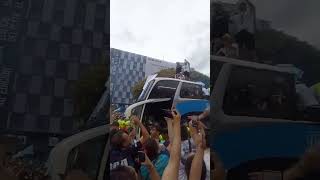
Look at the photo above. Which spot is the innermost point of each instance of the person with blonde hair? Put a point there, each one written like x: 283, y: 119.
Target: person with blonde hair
x: 229, y: 49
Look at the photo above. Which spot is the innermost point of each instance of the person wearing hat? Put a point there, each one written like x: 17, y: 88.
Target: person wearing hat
x: 229, y: 49
x: 243, y: 23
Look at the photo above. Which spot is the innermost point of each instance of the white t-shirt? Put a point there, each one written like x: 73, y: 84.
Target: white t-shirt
x: 184, y: 153
x: 243, y: 21
x: 306, y: 95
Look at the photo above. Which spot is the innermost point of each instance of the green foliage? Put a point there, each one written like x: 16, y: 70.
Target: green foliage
x: 137, y: 88
x: 281, y: 48
x: 88, y: 90
x: 170, y: 73
x: 197, y: 76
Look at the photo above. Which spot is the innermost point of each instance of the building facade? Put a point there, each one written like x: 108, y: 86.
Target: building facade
x: 44, y: 46
x: 129, y: 68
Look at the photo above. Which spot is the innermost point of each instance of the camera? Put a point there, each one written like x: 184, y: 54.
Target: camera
x: 167, y: 113
x: 141, y: 156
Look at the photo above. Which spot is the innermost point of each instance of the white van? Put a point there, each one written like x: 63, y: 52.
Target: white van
x: 164, y: 93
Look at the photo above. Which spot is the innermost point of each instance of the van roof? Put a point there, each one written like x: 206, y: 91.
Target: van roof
x: 250, y: 64
x: 180, y: 80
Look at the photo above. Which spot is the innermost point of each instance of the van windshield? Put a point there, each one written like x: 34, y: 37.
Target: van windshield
x: 164, y: 89
x: 144, y: 93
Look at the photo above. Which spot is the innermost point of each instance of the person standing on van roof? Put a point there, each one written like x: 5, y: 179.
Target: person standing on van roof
x: 243, y: 24
x: 229, y: 49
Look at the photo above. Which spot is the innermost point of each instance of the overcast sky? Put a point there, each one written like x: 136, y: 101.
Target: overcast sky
x: 295, y: 17
x: 172, y: 30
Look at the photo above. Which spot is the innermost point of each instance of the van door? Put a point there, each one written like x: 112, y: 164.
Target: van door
x: 149, y: 111
x: 86, y: 150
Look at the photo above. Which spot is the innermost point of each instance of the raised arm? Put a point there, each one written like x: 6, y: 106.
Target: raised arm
x: 152, y: 170
x: 170, y: 130
x: 205, y: 114
x: 198, y: 135
x: 172, y: 170
x: 219, y: 172
x: 144, y: 131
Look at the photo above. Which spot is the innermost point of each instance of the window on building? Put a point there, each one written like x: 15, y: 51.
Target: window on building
x: 44, y: 30
x: 87, y: 156
x: 164, y: 89
x: 53, y: 50
x: 36, y: 9
x: 76, y: 36
x: 47, y: 86
x: 17, y: 121
x: 80, y: 11
x: 58, y: 17
x: 260, y: 93
x: 45, y: 105
x: 64, y: 51
x: 43, y: 123
x: 60, y: 5
x: 38, y: 66
x: 59, y: 87
x: 66, y: 35
x: 57, y: 107
x: 97, y: 40
x: 33, y: 104
x: 32, y: 28
x: 100, y: 11
x: 20, y: 103
x: 26, y: 65
x: 55, y: 32
x: 88, y: 38
x: 41, y: 48
x: 35, y: 85
x: 29, y: 46
x: 75, y: 51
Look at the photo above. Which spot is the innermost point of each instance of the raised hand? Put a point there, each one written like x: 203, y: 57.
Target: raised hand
x: 176, y: 115
x: 135, y: 120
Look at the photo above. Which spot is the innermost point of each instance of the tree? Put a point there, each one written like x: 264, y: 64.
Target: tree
x: 137, y: 88
x: 170, y: 73
x: 280, y: 48
x: 88, y: 90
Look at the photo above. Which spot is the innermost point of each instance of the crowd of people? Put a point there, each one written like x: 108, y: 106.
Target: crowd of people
x: 20, y: 169
x: 181, y: 151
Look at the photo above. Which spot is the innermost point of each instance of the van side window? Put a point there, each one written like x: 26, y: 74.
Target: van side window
x: 215, y: 68
x: 145, y: 92
x: 87, y: 156
x: 260, y: 93
x: 164, y: 89
x: 192, y: 91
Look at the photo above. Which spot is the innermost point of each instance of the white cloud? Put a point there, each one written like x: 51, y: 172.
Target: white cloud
x: 168, y: 29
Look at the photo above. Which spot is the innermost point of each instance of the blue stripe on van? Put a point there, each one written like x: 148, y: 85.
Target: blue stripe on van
x: 274, y: 140
x: 192, y: 106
